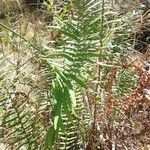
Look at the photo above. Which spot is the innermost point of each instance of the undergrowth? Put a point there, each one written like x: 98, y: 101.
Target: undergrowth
x: 69, y: 78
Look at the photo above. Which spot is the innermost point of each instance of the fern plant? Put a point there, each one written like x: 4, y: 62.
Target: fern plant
x: 78, y: 51
x: 50, y: 100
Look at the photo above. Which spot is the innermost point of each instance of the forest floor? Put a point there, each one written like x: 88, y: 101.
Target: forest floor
x: 34, y: 25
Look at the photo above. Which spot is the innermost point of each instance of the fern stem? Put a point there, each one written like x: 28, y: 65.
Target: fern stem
x: 99, y: 59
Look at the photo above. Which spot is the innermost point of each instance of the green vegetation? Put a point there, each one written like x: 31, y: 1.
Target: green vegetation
x: 70, y: 78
